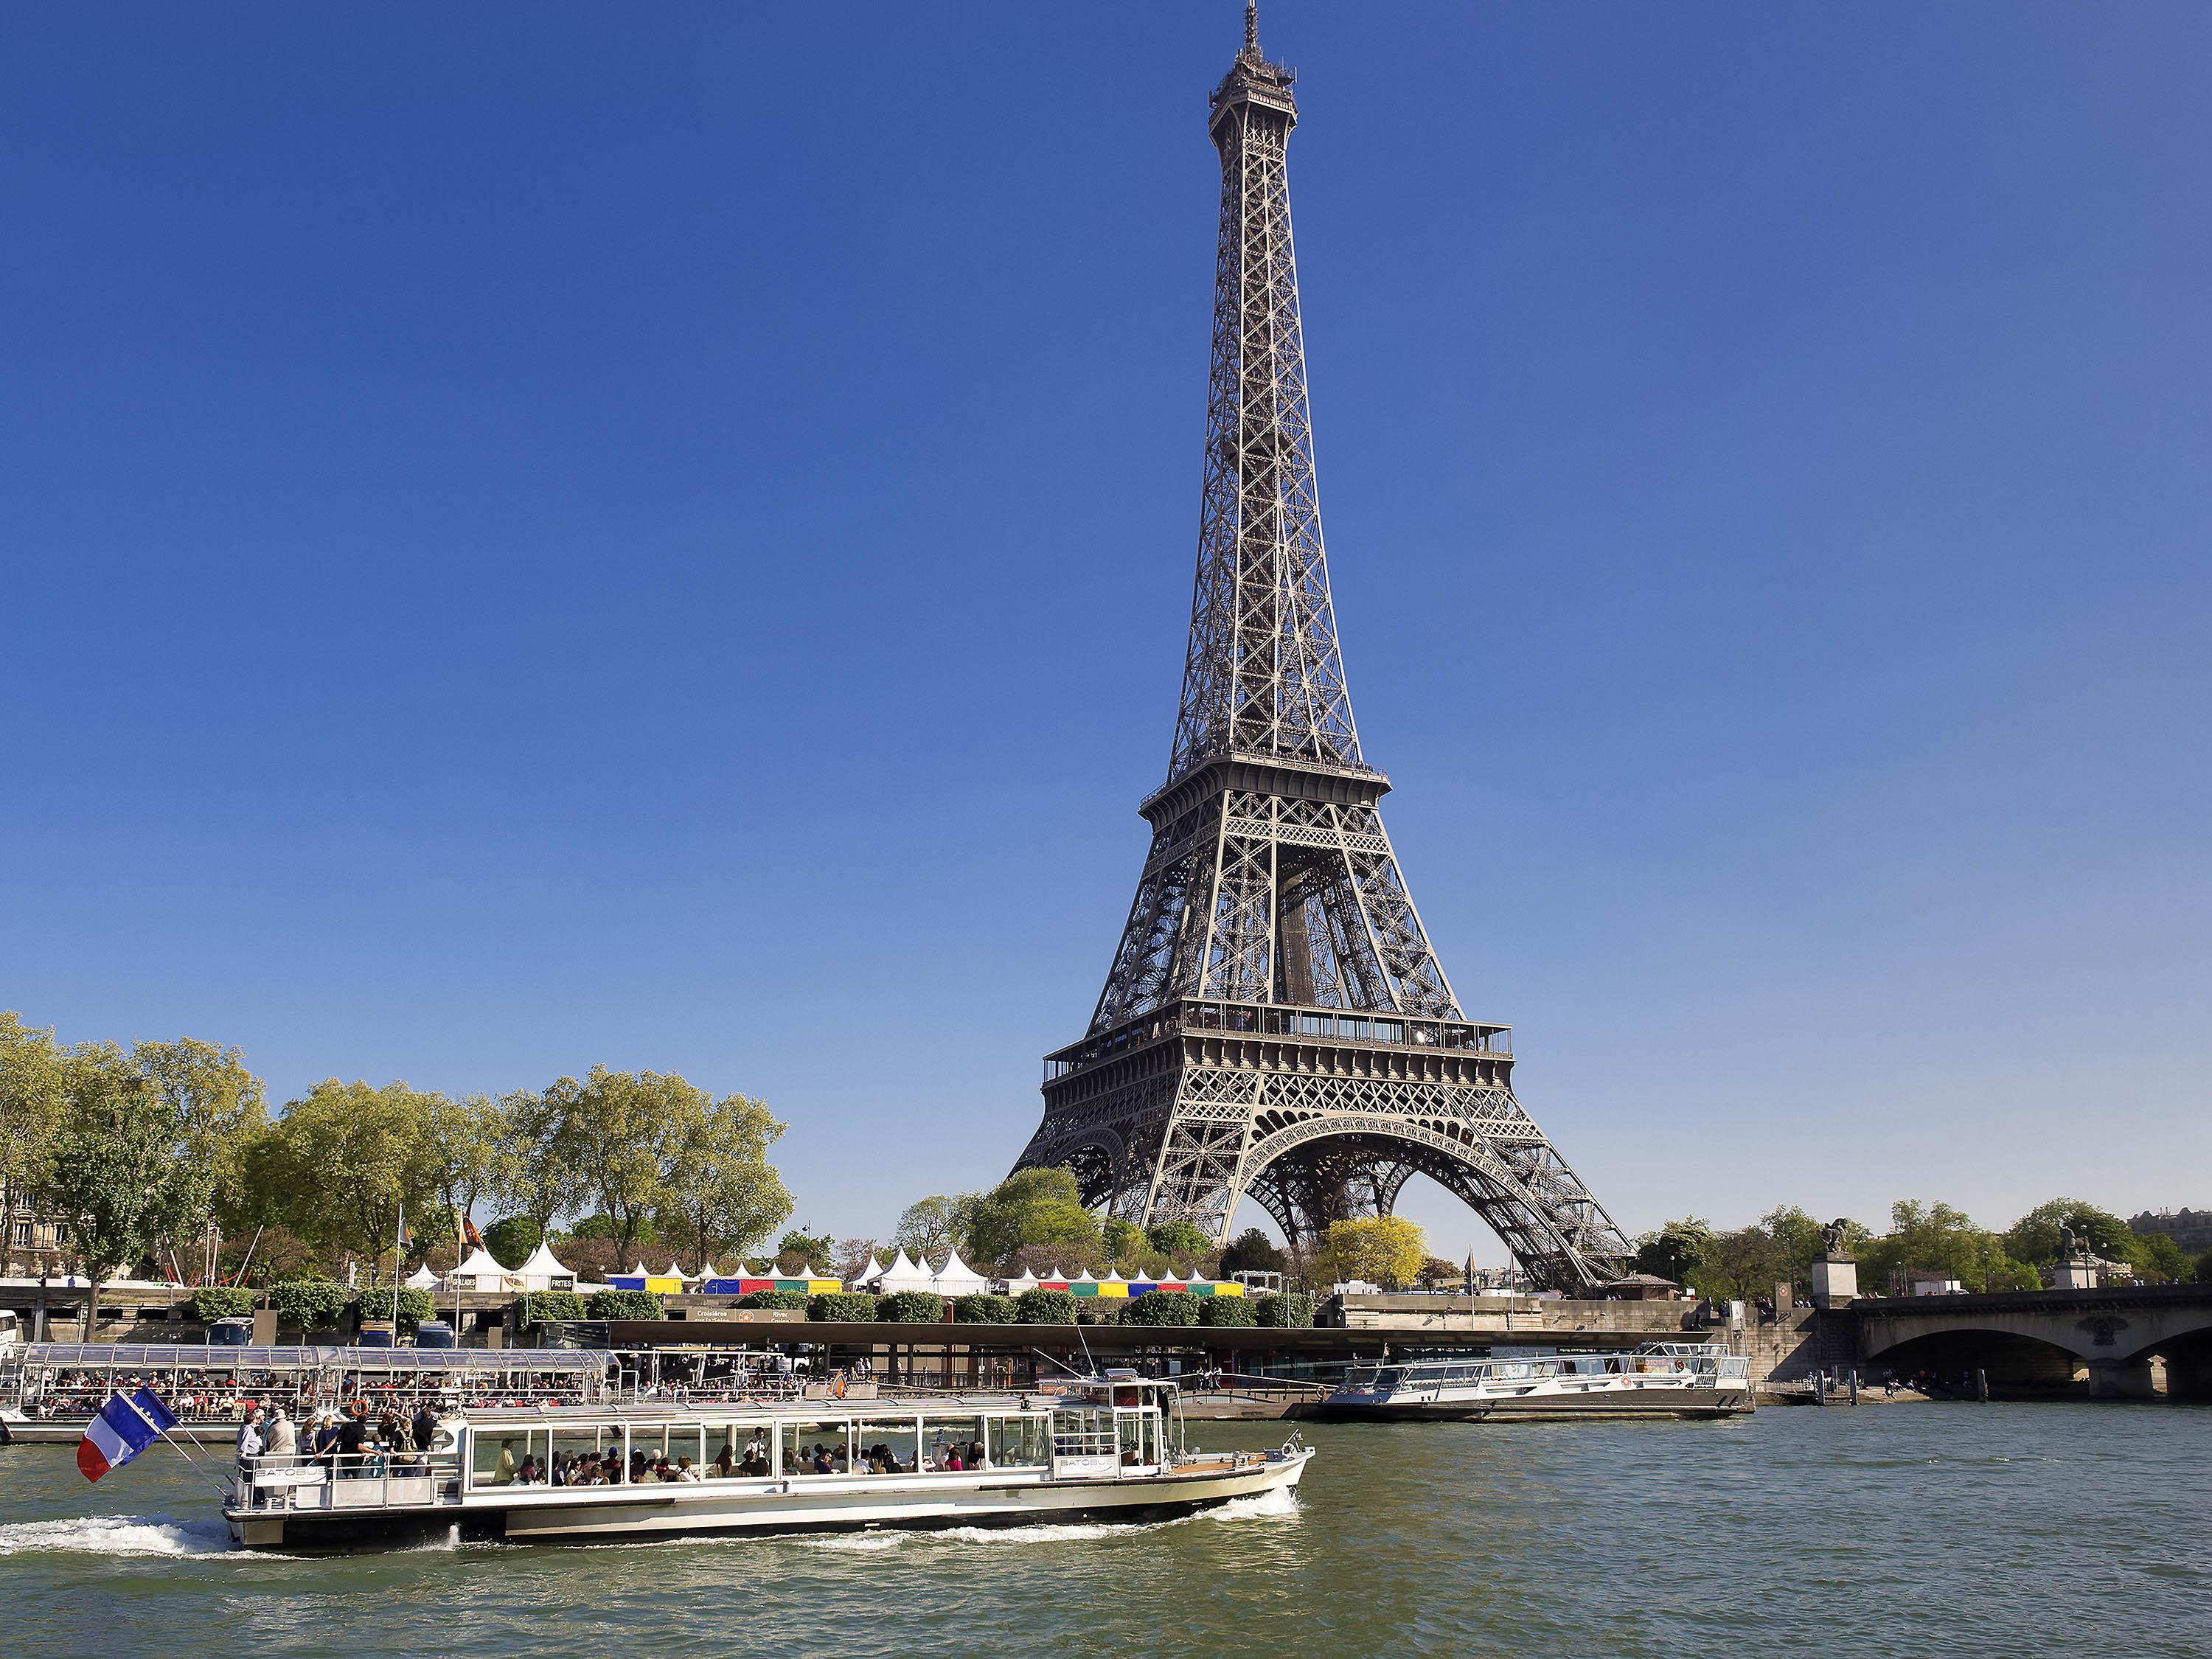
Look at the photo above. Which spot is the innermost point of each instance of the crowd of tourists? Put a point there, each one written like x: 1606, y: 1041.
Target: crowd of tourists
x: 344, y: 1444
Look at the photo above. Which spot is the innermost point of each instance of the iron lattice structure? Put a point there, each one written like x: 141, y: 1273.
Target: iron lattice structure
x: 1275, y: 1022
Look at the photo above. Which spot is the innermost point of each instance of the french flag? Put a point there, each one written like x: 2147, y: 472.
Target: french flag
x: 123, y: 1430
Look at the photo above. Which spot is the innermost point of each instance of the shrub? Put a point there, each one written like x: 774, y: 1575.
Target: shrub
x: 789, y: 1301
x: 984, y: 1309
x: 544, y: 1307
x: 1227, y: 1312
x: 1291, y: 1311
x: 911, y: 1308
x: 846, y: 1307
x: 413, y: 1305
x: 1099, y: 1310
x: 309, y: 1303
x: 213, y: 1301
x: 1045, y: 1308
x: 1163, y: 1308
x: 623, y: 1305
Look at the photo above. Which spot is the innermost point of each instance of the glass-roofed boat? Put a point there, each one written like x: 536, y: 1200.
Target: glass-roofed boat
x: 1109, y: 1448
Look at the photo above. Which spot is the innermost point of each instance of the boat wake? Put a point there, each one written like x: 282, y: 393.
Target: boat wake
x: 117, y: 1534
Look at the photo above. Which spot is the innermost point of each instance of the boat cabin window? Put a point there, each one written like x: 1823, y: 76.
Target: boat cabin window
x: 951, y: 1444
x: 739, y: 1450
x: 1082, y: 1432
x: 1017, y: 1442
x: 511, y: 1457
x: 810, y: 1448
x: 888, y: 1446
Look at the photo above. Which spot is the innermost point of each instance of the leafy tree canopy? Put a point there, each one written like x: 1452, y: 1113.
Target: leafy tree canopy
x: 1178, y: 1239
x: 2037, y: 1237
x: 511, y: 1238
x: 933, y: 1225
x: 1385, y: 1250
x: 1253, y: 1252
x: 1030, y: 1207
x: 1676, y: 1251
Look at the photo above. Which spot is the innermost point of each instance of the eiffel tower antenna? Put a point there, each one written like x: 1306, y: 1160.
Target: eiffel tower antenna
x: 1275, y: 1023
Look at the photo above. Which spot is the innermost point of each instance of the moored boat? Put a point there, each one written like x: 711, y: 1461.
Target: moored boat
x: 1107, y: 1449
x: 1658, y: 1379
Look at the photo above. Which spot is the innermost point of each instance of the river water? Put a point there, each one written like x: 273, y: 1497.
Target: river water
x: 1922, y: 1529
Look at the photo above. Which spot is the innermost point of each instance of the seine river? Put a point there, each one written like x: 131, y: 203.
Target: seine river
x: 1922, y: 1529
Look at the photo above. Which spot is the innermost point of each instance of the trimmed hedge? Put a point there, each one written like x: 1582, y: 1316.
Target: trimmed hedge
x: 983, y: 1310
x: 911, y: 1308
x: 789, y: 1301
x: 1099, y: 1310
x: 842, y: 1307
x: 1227, y: 1312
x: 310, y: 1303
x: 1045, y: 1308
x: 414, y: 1306
x: 213, y: 1301
x: 546, y: 1307
x: 623, y: 1305
x: 1163, y: 1308
x: 1291, y: 1311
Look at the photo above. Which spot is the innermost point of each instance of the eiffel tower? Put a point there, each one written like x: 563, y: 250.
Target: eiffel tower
x: 1275, y: 1022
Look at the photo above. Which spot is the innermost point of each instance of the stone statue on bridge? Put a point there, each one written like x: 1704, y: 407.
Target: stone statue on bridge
x: 1833, y: 1237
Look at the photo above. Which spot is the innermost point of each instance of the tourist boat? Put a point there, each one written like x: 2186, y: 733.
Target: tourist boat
x: 1659, y: 1379
x: 1108, y: 1448
x: 50, y: 1390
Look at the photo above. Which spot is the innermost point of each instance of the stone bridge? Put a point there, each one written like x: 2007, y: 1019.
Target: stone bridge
x: 2044, y: 1341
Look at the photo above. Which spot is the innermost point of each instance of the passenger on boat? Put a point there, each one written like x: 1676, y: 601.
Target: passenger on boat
x: 249, y: 1437
x: 284, y: 1441
x: 822, y: 1465
x: 503, y: 1472
x: 684, y: 1471
x: 755, y: 1463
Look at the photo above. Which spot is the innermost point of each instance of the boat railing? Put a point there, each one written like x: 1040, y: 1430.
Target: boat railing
x: 285, y: 1483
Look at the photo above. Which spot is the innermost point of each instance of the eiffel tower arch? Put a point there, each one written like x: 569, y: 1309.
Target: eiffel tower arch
x: 1275, y: 1024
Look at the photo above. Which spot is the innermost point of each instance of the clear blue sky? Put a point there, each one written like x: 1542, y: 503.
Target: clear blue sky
x: 541, y: 536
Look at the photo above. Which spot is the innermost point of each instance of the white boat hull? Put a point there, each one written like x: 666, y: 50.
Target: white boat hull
x: 552, y: 1515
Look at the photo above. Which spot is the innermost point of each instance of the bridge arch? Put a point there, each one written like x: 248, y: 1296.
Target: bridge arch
x: 2015, y: 1364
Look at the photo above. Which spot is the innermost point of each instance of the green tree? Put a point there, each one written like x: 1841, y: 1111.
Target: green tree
x: 511, y: 1239
x: 1123, y: 1239
x: 2158, y: 1258
x: 1030, y: 1207
x: 720, y: 1192
x: 219, y: 1107
x: 2036, y: 1238
x: 1676, y: 1251
x: 1384, y: 1249
x: 540, y: 1162
x: 1253, y: 1252
x: 801, y: 1248
x: 1435, y: 1271
x: 1937, y: 1238
x: 612, y: 1142
x: 471, y: 1160
x: 33, y: 1090
x: 1179, y: 1239
x: 343, y: 1160
x: 124, y: 1168
x: 933, y: 1225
